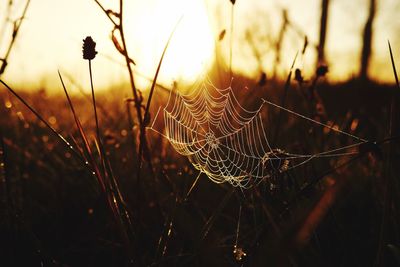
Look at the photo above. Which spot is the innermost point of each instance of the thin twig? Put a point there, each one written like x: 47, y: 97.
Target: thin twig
x: 17, y: 26
x: 107, y: 13
x: 128, y: 64
x: 120, y: 27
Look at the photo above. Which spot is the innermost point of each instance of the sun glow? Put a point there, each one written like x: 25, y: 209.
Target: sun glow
x: 192, y: 45
x: 51, y: 38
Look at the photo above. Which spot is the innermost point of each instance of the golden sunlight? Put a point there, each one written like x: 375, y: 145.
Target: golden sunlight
x: 192, y: 45
x: 51, y: 38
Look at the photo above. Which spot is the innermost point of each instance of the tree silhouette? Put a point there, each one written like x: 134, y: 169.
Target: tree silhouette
x: 322, y: 31
x: 279, y: 41
x: 367, y: 41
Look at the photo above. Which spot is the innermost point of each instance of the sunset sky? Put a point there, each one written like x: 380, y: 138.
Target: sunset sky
x: 51, y: 38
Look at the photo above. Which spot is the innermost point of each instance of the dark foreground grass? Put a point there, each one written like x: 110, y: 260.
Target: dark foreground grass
x: 328, y: 212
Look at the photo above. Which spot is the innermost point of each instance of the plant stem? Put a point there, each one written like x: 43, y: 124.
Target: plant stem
x: 283, y: 100
x: 390, y: 170
x: 231, y: 42
x: 128, y: 63
x: 94, y: 103
x: 106, y: 180
x: 143, y: 142
x: 119, y: 25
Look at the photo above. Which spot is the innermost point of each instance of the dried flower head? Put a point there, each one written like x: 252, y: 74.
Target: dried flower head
x: 263, y: 79
x: 297, y: 76
x: 89, y: 48
x: 322, y: 70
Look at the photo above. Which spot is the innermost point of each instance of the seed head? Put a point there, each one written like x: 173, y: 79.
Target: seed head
x: 89, y: 48
x: 263, y: 79
x: 322, y: 70
x: 298, y: 77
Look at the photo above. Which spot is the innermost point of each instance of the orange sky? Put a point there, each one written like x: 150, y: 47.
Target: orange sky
x: 51, y: 38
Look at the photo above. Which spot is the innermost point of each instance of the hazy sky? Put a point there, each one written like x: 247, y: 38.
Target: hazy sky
x: 51, y: 38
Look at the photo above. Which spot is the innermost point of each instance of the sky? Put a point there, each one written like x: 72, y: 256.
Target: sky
x: 51, y: 37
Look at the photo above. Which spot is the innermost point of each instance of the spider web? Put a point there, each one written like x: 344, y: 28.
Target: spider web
x: 228, y: 142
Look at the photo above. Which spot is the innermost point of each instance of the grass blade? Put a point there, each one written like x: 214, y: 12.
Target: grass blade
x: 106, y: 180
x: 283, y: 100
x: 146, y: 119
x: 57, y: 134
x: 393, y: 66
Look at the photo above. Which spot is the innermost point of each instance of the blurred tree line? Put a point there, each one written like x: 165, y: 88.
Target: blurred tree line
x: 367, y: 36
x: 365, y: 18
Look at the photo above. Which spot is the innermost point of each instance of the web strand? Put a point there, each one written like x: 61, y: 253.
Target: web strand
x: 228, y: 142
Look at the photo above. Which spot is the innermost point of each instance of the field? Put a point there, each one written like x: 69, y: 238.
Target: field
x: 86, y: 181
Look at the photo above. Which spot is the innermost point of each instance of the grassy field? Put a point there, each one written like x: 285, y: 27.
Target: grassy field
x: 328, y: 212
x: 85, y: 182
